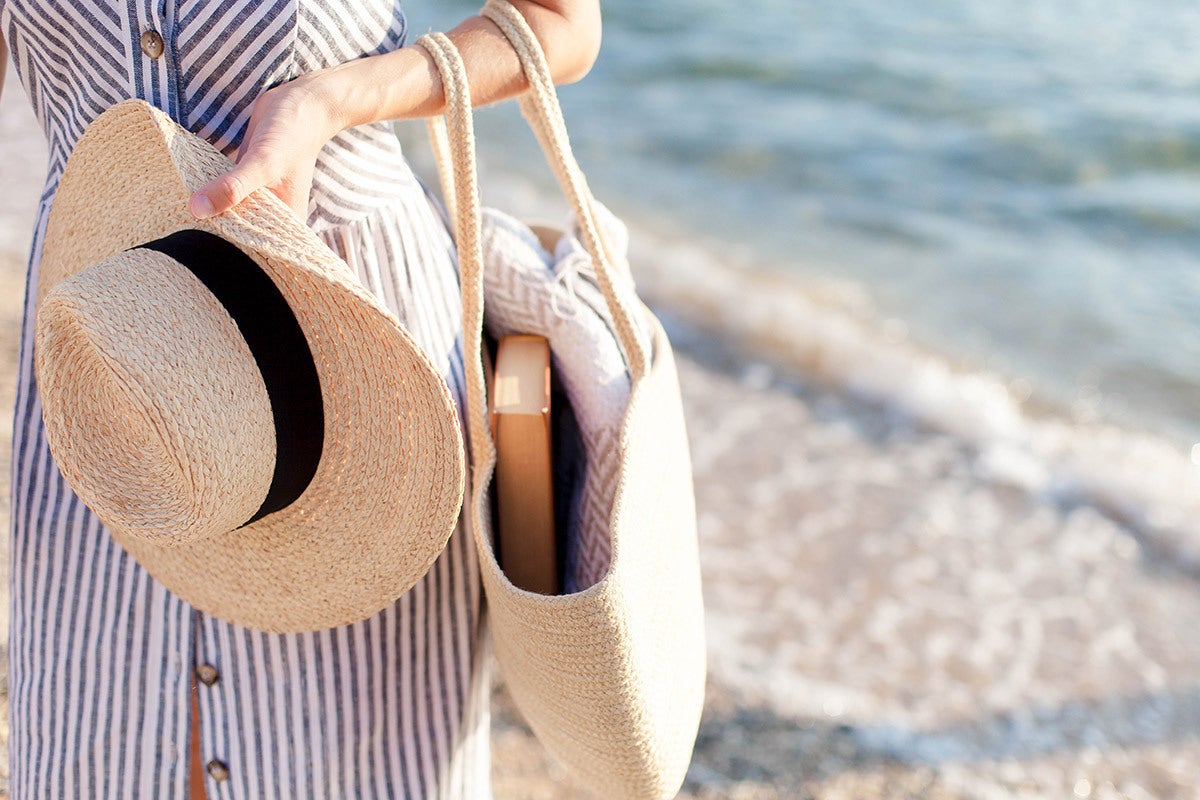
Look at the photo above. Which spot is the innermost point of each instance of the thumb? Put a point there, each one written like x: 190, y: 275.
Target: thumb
x: 223, y: 193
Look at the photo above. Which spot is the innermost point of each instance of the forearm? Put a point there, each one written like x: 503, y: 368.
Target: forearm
x: 405, y: 84
x: 292, y: 122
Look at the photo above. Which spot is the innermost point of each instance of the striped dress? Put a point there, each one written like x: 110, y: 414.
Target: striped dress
x: 102, y: 656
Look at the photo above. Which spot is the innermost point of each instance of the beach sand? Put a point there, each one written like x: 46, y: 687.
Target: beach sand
x: 886, y: 618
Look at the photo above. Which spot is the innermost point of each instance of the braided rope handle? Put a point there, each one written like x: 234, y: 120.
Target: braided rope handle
x: 542, y: 111
x: 468, y: 239
x: 441, y: 156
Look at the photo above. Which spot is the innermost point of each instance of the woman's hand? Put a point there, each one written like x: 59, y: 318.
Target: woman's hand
x: 289, y: 125
x: 292, y: 122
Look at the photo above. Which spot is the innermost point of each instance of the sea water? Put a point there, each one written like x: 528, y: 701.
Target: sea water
x: 1015, y: 186
x: 985, y: 216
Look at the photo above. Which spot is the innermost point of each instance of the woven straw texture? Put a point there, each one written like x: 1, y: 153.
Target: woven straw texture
x: 157, y: 416
x: 611, y: 678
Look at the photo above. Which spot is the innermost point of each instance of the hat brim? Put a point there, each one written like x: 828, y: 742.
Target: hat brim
x: 389, y: 485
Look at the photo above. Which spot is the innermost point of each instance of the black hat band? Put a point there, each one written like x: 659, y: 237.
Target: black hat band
x: 279, y: 347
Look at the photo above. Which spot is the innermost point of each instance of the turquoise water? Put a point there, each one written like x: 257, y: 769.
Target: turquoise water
x: 1017, y: 183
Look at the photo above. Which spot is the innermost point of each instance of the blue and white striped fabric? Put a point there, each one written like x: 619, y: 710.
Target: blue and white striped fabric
x: 101, y: 656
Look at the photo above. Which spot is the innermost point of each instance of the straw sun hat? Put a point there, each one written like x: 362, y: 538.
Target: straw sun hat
x: 250, y: 423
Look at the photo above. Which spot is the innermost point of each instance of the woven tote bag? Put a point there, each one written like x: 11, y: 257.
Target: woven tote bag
x: 609, y: 677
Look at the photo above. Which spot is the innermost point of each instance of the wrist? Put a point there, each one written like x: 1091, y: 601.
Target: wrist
x: 393, y: 85
x: 316, y: 95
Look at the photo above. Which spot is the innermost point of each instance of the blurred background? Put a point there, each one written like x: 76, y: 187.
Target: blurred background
x: 932, y: 271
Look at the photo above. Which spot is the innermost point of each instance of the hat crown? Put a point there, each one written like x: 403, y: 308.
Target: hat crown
x: 369, y: 463
x: 156, y: 408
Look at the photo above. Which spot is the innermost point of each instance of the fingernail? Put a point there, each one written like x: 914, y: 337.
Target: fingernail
x: 200, y: 206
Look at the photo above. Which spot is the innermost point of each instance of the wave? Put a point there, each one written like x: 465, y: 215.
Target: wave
x: 830, y: 333
x: 1147, y: 483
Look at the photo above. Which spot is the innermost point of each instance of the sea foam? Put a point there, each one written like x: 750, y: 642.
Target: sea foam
x: 829, y: 332
x: 1143, y: 481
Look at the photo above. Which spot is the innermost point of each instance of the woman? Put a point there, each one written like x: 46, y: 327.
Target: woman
x: 103, y: 660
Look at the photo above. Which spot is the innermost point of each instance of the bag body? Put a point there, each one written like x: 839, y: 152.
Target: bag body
x: 609, y: 677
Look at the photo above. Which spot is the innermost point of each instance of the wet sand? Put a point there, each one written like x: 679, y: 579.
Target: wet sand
x: 885, y: 618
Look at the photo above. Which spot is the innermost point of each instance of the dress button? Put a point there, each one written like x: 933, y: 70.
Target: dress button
x: 217, y: 770
x: 207, y: 674
x: 152, y: 43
